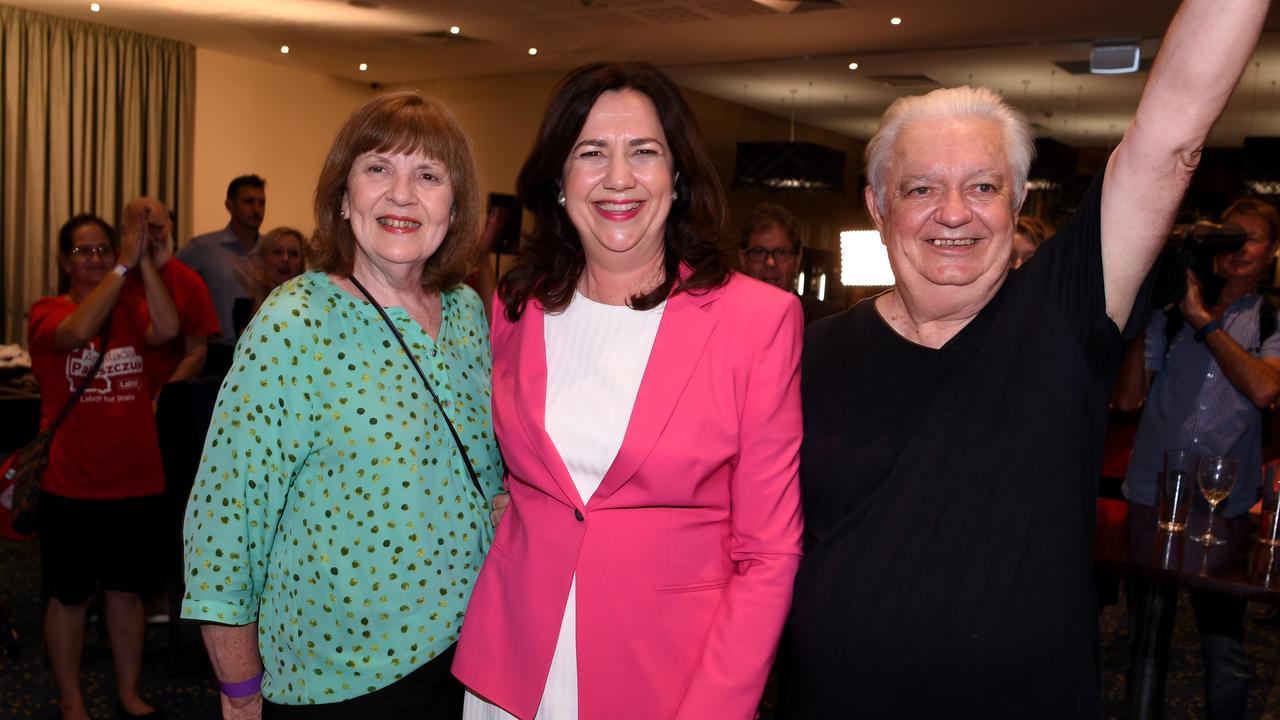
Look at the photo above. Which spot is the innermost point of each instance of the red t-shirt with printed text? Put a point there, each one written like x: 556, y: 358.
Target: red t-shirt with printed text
x: 196, y: 317
x: 107, y: 447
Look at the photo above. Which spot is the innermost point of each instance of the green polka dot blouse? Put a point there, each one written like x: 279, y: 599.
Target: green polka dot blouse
x: 332, y: 505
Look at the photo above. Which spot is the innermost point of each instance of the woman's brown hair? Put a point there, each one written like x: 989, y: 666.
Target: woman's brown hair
x: 552, y: 259
x: 394, y: 123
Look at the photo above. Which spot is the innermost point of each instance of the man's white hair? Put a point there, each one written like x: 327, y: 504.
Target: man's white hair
x: 947, y: 104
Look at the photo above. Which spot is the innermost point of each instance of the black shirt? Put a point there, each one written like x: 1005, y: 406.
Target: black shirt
x: 949, y: 503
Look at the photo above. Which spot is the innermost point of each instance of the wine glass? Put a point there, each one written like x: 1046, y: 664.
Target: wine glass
x: 1217, y: 477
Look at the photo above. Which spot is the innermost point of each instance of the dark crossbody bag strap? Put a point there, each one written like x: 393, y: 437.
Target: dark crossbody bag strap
x: 103, y: 339
x: 471, y: 471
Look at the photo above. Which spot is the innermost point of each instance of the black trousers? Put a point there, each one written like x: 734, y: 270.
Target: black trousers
x: 428, y: 693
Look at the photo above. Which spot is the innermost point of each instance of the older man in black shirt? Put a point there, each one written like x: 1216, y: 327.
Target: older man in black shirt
x: 953, y: 424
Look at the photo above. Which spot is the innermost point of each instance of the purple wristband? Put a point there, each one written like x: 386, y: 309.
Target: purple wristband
x: 243, y: 688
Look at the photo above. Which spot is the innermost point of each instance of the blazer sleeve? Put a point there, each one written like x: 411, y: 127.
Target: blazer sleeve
x: 766, y: 528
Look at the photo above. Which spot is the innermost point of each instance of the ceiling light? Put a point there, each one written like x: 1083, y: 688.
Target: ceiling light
x: 95, y: 7
x: 895, y: 21
x: 789, y: 166
x: 853, y: 66
x: 455, y: 30
x: 1041, y: 184
x: 533, y: 51
x: 284, y: 49
x: 1263, y: 187
x: 364, y: 66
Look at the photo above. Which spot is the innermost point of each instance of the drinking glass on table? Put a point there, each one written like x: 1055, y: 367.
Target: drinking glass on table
x: 1217, y: 477
x: 1176, y: 485
x: 1269, y: 531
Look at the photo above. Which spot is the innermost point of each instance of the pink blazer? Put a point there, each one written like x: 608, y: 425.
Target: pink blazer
x: 685, y: 555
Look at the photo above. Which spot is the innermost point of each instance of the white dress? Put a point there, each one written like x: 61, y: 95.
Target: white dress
x: 596, y: 356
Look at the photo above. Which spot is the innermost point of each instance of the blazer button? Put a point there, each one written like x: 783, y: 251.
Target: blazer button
x: 577, y: 514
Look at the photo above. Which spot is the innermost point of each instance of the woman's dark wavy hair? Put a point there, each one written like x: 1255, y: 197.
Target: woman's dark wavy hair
x: 552, y: 259
x: 67, y: 233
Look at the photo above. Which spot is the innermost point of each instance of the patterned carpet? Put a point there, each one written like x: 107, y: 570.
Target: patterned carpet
x: 1184, y: 695
x: 182, y: 684
x: 183, y: 687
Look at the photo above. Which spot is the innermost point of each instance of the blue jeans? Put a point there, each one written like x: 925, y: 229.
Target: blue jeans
x: 1220, y: 620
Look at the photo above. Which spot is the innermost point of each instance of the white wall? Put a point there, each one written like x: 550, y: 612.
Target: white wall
x: 268, y: 118
x: 264, y: 118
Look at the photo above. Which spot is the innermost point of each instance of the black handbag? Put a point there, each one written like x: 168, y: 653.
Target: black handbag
x: 31, y: 460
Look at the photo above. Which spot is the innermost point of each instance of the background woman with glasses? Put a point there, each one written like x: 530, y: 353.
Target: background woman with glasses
x: 103, y: 487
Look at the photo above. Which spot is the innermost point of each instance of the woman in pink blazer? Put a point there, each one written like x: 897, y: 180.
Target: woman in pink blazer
x: 646, y: 399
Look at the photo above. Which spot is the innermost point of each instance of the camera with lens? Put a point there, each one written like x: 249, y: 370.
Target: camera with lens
x: 1193, y: 247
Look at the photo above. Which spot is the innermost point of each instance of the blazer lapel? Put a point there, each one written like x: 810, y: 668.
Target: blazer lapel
x: 682, y: 337
x: 531, y: 398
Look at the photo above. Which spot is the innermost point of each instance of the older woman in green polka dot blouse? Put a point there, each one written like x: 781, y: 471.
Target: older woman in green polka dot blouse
x: 334, y: 530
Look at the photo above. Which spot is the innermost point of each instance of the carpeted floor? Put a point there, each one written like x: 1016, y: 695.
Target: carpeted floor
x: 182, y: 684
x: 1184, y: 695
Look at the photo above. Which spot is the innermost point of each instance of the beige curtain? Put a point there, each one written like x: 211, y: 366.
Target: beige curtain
x: 92, y: 116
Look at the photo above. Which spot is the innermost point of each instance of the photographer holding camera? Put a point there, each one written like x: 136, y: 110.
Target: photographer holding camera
x: 1212, y: 365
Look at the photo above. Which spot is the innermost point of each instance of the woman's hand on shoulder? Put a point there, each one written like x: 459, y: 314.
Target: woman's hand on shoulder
x: 499, y: 503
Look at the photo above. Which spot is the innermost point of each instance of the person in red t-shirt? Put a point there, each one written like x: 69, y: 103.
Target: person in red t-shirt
x: 104, y: 481
x: 183, y: 357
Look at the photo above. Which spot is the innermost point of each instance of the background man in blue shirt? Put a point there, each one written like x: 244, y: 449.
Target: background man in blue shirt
x: 216, y: 255
x: 1207, y: 390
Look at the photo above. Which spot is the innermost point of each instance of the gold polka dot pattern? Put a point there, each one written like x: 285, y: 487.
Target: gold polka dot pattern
x: 332, y: 505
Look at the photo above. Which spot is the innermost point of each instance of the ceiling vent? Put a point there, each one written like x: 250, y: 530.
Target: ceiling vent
x: 789, y: 166
x: 1081, y: 67
x: 906, y: 81
x: 1115, y: 57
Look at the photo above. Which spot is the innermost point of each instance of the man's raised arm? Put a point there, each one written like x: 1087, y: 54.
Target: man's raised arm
x: 1200, y: 61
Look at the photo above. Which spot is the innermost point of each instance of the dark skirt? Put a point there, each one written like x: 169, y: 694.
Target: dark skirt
x: 428, y: 693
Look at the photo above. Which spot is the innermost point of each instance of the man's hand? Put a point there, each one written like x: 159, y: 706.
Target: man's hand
x: 245, y: 708
x: 132, y: 243
x: 1201, y: 56
x: 1256, y: 378
x: 500, y: 503
x: 1192, y: 305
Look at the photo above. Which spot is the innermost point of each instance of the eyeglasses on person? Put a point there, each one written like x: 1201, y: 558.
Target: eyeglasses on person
x: 779, y: 254
x: 93, y: 251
